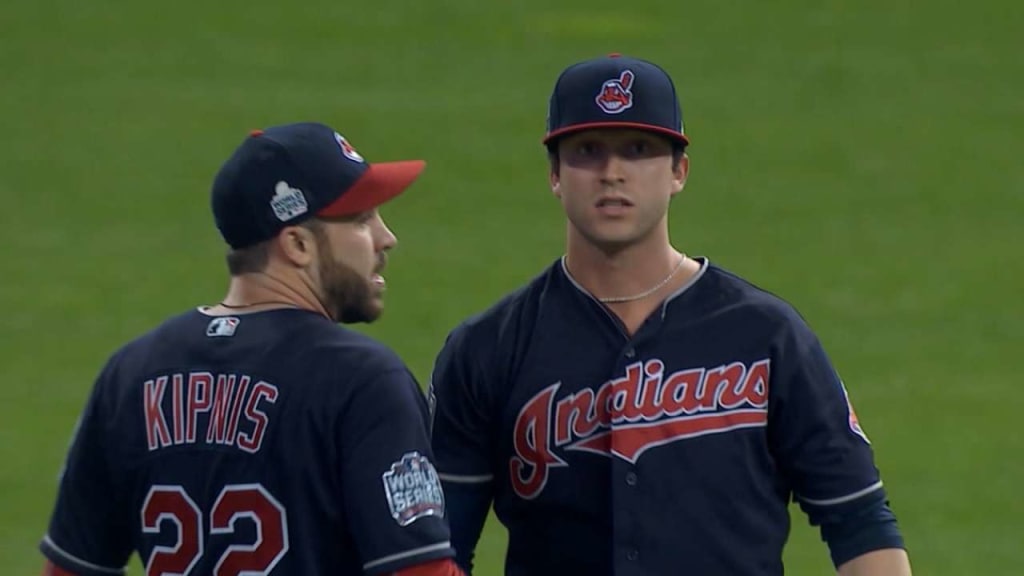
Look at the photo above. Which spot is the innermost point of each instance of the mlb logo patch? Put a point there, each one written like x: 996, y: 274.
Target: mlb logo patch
x: 224, y: 326
x: 413, y: 489
x: 288, y: 202
x: 615, y: 95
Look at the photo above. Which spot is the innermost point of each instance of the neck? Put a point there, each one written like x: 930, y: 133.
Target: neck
x: 267, y: 290
x: 622, y: 271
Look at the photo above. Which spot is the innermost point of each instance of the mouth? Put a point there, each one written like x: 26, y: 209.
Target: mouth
x: 613, y: 205
x: 377, y: 278
x: 613, y: 201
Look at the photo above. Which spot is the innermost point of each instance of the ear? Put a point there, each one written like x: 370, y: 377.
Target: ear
x: 297, y: 246
x: 554, y: 180
x: 680, y: 173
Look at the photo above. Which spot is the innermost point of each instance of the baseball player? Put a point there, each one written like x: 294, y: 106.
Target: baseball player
x: 257, y: 436
x: 637, y: 411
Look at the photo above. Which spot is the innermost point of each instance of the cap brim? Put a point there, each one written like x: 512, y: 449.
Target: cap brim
x: 381, y: 182
x: 672, y: 134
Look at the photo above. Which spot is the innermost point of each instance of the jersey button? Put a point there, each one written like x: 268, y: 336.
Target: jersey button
x: 630, y: 352
x: 632, y: 554
x: 631, y: 478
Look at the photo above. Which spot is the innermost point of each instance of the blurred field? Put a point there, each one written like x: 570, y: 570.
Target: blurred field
x: 859, y: 158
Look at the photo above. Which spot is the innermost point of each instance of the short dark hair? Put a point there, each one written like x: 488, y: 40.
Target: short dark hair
x: 252, y: 259
x: 248, y: 260
x: 678, y: 149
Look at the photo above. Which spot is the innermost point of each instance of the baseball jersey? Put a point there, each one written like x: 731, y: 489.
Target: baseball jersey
x: 672, y: 451
x: 272, y: 443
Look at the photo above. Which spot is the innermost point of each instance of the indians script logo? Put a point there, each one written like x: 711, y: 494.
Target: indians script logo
x: 615, y: 95
x: 646, y: 408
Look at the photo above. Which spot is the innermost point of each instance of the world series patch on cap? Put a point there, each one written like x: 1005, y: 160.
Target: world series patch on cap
x: 615, y: 92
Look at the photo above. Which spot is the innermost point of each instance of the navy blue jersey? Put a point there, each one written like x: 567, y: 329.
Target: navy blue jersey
x: 672, y: 451
x: 273, y: 443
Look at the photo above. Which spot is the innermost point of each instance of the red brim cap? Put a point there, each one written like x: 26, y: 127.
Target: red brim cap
x: 671, y: 134
x: 381, y: 182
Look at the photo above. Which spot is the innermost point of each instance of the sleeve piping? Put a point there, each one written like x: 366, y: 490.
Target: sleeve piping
x: 408, y: 554
x: 51, y: 545
x: 842, y: 499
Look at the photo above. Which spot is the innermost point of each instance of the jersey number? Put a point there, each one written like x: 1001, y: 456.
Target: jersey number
x: 171, y: 504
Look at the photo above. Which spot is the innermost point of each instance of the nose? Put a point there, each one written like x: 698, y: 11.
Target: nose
x: 385, y: 239
x: 613, y: 171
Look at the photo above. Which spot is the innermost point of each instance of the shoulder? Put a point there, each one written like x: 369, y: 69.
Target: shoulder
x: 512, y: 315
x: 298, y: 341
x: 735, y: 295
x: 137, y: 351
x: 354, y: 351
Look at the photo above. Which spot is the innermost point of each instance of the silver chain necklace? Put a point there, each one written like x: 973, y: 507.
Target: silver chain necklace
x: 645, y: 293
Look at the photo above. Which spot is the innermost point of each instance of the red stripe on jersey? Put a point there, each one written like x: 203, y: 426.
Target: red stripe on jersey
x: 446, y: 567
x: 49, y: 569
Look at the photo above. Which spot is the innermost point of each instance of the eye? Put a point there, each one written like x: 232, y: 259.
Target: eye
x: 586, y: 148
x: 364, y: 218
x: 640, y: 148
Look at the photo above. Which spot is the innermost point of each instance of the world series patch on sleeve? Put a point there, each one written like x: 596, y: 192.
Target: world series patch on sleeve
x: 413, y: 489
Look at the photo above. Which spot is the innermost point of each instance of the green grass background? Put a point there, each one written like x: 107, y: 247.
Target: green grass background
x: 862, y: 159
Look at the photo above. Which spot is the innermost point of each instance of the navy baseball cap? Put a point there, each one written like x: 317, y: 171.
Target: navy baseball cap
x: 615, y: 91
x: 286, y: 174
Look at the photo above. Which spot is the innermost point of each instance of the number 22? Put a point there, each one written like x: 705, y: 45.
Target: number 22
x: 172, y: 504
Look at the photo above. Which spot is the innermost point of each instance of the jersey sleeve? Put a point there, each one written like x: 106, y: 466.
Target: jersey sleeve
x: 89, y: 532
x: 461, y: 437
x: 390, y: 486
x: 814, y: 430
x: 460, y: 417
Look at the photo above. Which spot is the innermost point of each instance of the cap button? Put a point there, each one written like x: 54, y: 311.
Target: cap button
x: 614, y: 55
x: 256, y: 133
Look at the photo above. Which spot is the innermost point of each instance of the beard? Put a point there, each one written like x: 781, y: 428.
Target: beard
x: 348, y: 297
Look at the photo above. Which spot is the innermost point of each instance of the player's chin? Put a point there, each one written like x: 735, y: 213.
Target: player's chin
x: 375, y: 303
x: 612, y: 237
x: 368, y: 311
x: 374, y: 313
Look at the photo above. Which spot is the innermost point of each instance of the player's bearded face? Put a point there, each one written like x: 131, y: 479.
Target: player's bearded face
x: 615, y: 185
x: 350, y: 296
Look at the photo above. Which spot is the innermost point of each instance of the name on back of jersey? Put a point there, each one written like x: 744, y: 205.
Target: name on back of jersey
x: 205, y: 408
x: 413, y: 489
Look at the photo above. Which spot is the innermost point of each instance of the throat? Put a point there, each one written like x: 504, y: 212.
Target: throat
x: 649, y: 291
x: 627, y: 278
x: 633, y: 308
